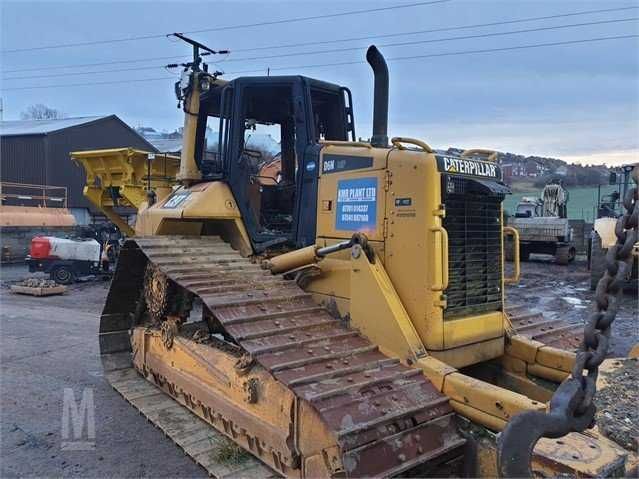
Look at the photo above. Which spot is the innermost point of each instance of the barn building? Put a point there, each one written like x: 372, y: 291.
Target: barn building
x: 36, y: 152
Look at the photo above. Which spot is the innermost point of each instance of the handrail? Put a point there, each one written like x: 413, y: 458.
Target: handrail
x: 443, y: 253
x: 398, y: 140
x: 510, y: 231
x: 345, y: 143
x: 491, y: 155
x: 48, y: 192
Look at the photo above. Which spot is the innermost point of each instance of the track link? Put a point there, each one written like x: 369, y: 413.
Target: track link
x: 558, y: 333
x: 386, y: 418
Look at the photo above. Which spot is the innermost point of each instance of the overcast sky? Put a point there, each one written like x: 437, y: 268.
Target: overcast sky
x: 578, y: 102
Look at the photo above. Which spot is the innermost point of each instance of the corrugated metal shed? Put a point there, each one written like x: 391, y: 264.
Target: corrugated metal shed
x: 37, y: 151
x: 40, y: 127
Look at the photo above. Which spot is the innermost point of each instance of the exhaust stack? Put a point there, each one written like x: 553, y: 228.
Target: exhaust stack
x: 380, y: 103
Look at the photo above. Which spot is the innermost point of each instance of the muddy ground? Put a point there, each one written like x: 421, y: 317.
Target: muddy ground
x: 564, y: 291
x: 49, y: 344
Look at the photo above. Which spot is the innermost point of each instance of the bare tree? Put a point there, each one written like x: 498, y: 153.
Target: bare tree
x: 41, y: 112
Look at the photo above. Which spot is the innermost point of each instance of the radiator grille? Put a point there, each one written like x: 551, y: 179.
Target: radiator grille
x: 474, y: 249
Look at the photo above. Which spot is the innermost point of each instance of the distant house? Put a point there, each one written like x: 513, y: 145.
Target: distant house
x: 522, y: 167
x: 507, y: 170
x: 513, y: 168
x: 534, y: 168
x: 510, y: 169
x: 562, y: 171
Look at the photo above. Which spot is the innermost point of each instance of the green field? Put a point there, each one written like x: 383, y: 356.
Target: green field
x: 581, y: 204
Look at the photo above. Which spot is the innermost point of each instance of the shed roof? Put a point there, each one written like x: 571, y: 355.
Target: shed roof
x: 42, y: 127
x: 166, y: 145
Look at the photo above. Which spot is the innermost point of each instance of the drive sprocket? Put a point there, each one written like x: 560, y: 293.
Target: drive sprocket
x: 164, y: 297
x: 158, y: 290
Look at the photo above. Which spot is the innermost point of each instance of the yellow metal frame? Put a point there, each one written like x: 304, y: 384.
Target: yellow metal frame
x: 126, y: 169
x: 510, y: 231
x: 377, y: 311
x: 412, y: 245
x: 207, y: 205
x: 373, y: 301
x: 537, y: 359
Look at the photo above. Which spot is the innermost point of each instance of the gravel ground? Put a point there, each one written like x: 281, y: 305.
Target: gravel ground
x: 49, y: 344
x: 617, y: 411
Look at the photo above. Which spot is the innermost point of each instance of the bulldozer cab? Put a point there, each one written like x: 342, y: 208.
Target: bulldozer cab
x: 260, y: 121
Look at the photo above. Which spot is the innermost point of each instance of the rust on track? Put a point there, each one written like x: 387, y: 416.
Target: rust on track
x: 558, y: 333
x: 386, y: 417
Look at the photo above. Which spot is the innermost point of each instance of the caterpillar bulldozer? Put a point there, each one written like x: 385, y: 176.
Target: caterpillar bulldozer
x: 343, y: 318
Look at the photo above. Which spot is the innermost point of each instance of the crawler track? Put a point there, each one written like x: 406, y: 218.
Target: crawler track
x: 559, y: 333
x: 385, y: 418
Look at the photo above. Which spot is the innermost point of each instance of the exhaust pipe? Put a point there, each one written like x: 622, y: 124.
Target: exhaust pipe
x: 380, y: 104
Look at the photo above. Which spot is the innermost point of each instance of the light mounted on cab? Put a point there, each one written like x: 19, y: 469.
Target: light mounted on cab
x: 193, y: 82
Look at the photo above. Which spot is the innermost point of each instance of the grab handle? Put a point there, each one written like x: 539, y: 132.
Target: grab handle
x: 398, y: 140
x: 442, y: 251
x: 510, y: 231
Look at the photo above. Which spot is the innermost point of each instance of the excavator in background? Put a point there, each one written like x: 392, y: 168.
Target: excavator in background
x: 543, y: 226
x: 343, y: 319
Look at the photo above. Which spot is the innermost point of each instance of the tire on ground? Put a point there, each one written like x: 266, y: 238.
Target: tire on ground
x: 565, y: 254
x: 63, y: 274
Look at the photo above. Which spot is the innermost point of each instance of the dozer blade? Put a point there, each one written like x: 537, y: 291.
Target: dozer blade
x: 297, y: 388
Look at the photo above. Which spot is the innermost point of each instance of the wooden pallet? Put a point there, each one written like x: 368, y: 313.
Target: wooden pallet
x: 31, y: 291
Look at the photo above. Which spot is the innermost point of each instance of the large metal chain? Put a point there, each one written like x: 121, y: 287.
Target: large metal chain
x: 598, y: 328
x: 571, y: 406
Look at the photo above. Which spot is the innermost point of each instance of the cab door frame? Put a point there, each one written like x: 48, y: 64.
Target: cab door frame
x: 237, y: 176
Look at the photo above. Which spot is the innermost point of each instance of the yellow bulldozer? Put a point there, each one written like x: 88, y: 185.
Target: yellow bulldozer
x: 346, y: 317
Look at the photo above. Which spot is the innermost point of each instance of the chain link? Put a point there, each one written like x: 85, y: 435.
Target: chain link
x: 571, y: 406
x: 597, y: 330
